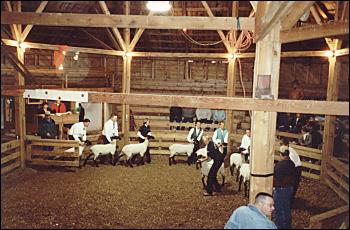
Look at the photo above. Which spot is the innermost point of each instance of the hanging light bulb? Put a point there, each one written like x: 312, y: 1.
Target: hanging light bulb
x: 158, y: 6
x: 60, y: 67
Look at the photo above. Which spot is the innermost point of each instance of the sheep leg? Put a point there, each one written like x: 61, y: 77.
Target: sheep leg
x: 174, y: 161
x: 232, y: 169
x: 198, y: 164
x: 170, y: 161
x: 237, y: 174
x: 246, y: 189
x: 188, y: 160
x: 240, y: 183
x: 142, y: 160
x: 95, y: 161
x: 87, y: 159
x: 223, y: 181
x: 128, y: 162
x: 203, y: 177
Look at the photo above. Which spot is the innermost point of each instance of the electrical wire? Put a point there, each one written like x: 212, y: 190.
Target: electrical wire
x: 189, y: 38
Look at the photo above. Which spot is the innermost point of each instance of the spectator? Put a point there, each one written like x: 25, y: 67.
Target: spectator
x: 220, y: 137
x: 316, y: 137
x: 48, y: 130
x: 306, y: 138
x: 188, y: 114
x: 81, y: 111
x: 296, y: 92
x: 59, y: 107
x: 297, y: 122
x: 194, y: 137
x: 218, y: 158
x: 218, y: 115
x: 253, y: 216
x: 175, y: 115
x: 78, y: 132
x: 144, y: 131
x: 282, y: 122
x: 110, y: 130
x: 245, y: 144
x: 294, y: 156
x: 204, y: 115
x: 43, y: 111
x: 283, y: 181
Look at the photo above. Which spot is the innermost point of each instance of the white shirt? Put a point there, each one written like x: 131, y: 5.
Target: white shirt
x: 293, y: 155
x: 203, y: 114
x: 215, y: 137
x: 245, y: 143
x: 110, y: 129
x: 78, y: 130
x: 191, y: 132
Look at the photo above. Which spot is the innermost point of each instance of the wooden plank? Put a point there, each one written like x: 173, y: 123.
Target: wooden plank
x: 280, y: 105
x: 55, y: 162
x: 10, y: 157
x: 10, y: 167
x: 10, y: 145
x: 330, y: 214
x: 137, y: 36
x: 307, y: 149
x: 14, y: 29
x: 341, y: 52
x: 310, y: 175
x: 315, y: 31
x: 299, y: 9
x: 286, y: 134
x: 28, y: 28
x: 341, y: 194
x: 95, y: 39
x: 339, y: 166
x: 339, y: 180
x: 56, y: 152
x: 127, y: 21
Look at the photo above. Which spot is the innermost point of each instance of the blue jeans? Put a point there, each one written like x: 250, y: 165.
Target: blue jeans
x: 283, y: 215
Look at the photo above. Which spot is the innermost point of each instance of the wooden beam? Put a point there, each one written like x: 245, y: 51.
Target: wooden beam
x: 234, y: 103
x: 137, y: 36
x: 299, y: 9
x: 315, y: 31
x: 114, y: 29
x: 221, y: 34
x: 127, y: 21
x: 96, y: 39
x: 315, y: 15
x: 254, y: 4
x: 231, y: 83
x: 342, y: 52
x: 14, y: 29
x: 263, y: 124
x: 277, y: 16
x: 28, y: 28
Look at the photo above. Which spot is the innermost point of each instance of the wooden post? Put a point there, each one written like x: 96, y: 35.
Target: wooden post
x: 231, y: 82
x: 332, y: 95
x: 263, y: 126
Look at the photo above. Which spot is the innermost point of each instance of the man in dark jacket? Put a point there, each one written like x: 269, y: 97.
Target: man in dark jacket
x: 48, y: 130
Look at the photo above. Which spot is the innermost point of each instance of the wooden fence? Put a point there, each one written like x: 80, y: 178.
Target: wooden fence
x: 316, y: 221
x: 10, y: 156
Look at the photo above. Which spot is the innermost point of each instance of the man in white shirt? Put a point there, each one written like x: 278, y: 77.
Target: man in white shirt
x: 245, y: 144
x: 220, y: 137
x: 294, y: 156
x: 78, y: 131
x: 110, y: 130
x: 194, y: 137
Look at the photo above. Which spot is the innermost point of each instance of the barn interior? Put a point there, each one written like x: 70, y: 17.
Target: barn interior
x: 122, y: 58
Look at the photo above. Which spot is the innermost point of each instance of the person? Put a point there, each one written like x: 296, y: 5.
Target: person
x: 254, y: 216
x: 296, y: 92
x: 306, y: 138
x: 59, y: 107
x: 294, y: 156
x: 194, y: 136
x: 316, y: 137
x: 110, y: 130
x: 218, y: 115
x: 43, y: 111
x: 283, y: 181
x: 204, y: 115
x: 188, y: 114
x: 220, y: 137
x: 48, y: 130
x: 78, y: 131
x: 144, y: 131
x: 175, y: 115
x: 282, y: 122
x: 218, y: 158
x: 245, y: 144
x: 81, y: 112
x: 297, y: 122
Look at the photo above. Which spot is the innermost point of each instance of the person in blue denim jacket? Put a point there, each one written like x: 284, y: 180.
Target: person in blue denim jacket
x: 253, y: 216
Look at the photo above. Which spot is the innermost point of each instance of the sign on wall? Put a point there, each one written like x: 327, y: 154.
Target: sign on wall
x: 48, y: 94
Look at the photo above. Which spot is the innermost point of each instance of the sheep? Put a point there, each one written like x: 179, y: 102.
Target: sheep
x: 103, y: 149
x: 244, y: 174
x: 206, y: 165
x: 179, y: 148
x: 235, y: 162
x: 133, y: 149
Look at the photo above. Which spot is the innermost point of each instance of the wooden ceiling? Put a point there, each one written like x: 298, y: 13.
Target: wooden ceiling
x: 165, y: 40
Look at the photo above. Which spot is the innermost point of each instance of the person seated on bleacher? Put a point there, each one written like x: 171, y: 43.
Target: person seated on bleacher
x: 175, y: 115
x: 204, y: 115
x: 188, y: 114
x: 282, y: 122
x: 306, y: 138
x: 48, y: 130
x: 78, y: 132
x: 194, y: 137
x: 220, y: 138
x: 59, y: 107
x: 218, y: 115
x: 297, y: 122
x: 110, y: 130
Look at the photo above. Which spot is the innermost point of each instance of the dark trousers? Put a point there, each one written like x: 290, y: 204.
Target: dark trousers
x: 105, y: 141
x: 47, y: 148
x: 193, y: 157
x: 212, y: 180
x: 297, y: 179
x: 283, y: 215
x: 70, y: 137
x: 147, y: 153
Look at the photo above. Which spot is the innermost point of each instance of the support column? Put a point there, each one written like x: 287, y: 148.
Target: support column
x: 231, y: 91
x: 267, y: 62
x: 332, y: 95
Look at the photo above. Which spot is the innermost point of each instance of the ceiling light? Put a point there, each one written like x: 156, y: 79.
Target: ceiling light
x: 190, y: 61
x: 60, y: 67
x: 231, y: 56
x: 23, y: 45
x: 329, y: 53
x: 64, y: 52
x: 76, y: 56
x: 213, y: 62
x: 161, y: 6
x: 184, y: 29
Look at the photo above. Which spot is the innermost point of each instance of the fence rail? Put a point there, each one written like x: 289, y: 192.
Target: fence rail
x: 10, y: 156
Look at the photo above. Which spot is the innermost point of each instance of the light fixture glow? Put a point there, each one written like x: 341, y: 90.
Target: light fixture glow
x: 158, y: 6
x: 76, y: 56
x: 128, y: 54
x: 213, y: 62
x: 23, y: 45
x: 64, y: 53
x: 232, y: 56
x: 184, y: 29
x: 190, y: 61
x: 329, y: 53
x: 60, y: 67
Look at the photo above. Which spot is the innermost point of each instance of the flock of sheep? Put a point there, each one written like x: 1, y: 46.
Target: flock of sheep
x: 237, y: 160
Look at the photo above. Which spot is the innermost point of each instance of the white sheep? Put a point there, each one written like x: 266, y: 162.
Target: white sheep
x: 134, y: 149
x: 103, y: 149
x: 179, y: 148
x: 235, y: 162
x: 244, y: 175
x: 206, y: 166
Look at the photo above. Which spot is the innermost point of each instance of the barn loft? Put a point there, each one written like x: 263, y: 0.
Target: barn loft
x: 123, y: 58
